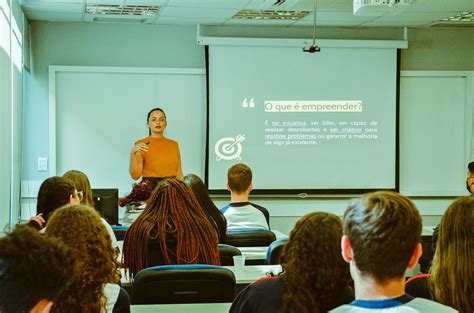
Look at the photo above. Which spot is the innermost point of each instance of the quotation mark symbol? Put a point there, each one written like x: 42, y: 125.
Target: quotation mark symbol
x: 248, y: 104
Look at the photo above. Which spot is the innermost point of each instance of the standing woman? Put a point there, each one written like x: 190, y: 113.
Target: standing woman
x: 153, y: 158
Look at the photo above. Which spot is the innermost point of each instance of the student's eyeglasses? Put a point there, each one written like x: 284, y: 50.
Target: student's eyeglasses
x: 80, y: 195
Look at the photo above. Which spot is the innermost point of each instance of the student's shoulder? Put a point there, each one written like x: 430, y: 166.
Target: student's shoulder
x: 225, y: 208
x: 425, y: 305
x: 261, y: 296
x: 257, y: 206
x: 269, y: 282
x: 347, y: 308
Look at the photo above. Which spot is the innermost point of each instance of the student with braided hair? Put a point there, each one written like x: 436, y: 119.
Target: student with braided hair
x: 173, y: 229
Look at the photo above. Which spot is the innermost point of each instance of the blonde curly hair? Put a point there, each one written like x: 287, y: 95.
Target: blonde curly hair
x: 83, y: 232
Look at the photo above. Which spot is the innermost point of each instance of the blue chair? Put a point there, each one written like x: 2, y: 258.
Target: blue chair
x: 226, y: 254
x: 120, y: 231
x: 250, y: 237
x: 274, y: 251
x: 193, y: 283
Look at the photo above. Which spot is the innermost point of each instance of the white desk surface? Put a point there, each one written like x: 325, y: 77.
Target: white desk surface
x: 250, y: 273
x: 251, y: 253
x: 182, y: 308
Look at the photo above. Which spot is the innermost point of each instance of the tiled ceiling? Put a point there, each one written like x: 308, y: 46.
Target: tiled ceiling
x: 421, y: 13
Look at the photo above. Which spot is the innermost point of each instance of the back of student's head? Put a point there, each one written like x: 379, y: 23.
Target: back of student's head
x: 81, y: 182
x: 315, y: 272
x: 383, y: 229
x: 239, y: 178
x: 83, y: 232
x: 32, y: 268
x: 172, y: 212
x: 54, y: 193
x: 453, y: 262
x: 216, y: 218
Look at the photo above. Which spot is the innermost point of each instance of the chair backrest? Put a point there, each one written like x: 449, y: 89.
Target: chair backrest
x: 274, y: 251
x: 226, y: 254
x: 196, y: 283
x: 250, y: 237
x: 120, y: 231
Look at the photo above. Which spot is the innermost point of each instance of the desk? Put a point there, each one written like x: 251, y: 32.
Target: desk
x: 250, y: 274
x: 253, y: 272
x: 254, y: 253
x: 182, y: 308
x: 250, y: 253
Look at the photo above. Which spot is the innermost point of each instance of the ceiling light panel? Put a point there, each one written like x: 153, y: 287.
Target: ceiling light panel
x: 129, y: 10
x: 269, y: 15
x: 460, y: 18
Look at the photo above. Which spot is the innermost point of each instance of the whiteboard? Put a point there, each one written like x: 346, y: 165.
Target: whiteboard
x: 435, y: 132
x: 99, y: 113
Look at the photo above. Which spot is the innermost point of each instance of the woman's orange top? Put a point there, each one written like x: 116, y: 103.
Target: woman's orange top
x: 162, y: 159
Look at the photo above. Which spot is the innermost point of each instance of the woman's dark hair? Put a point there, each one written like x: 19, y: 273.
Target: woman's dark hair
x: 215, y: 216
x: 171, y: 211
x: 54, y: 193
x: 149, y: 113
x: 314, y: 270
x: 152, y: 110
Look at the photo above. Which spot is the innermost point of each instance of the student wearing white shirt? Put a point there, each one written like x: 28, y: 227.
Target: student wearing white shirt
x: 240, y: 213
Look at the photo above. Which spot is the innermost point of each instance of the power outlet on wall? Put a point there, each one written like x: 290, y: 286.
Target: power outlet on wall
x: 42, y: 164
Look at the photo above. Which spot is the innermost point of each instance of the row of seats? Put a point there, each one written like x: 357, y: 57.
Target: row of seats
x: 200, y: 283
x: 193, y: 283
x: 235, y: 237
x: 238, y: 238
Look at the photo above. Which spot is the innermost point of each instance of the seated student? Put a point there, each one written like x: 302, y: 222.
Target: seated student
x: 382, y: 233
x: 216, y: 218
x: 82, y: 184
x: 56, y: 192
x: 452, y: 272
x: 315, y: 277
x: 33, y: 271
x: 95, y: 288
x: 429, y: 245
x: 53, y: 193
x: 241, y: 213
x: 172, y: 229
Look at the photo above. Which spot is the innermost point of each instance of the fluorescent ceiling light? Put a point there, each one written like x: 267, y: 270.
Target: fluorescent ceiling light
x: 461, y: 17
x: 130, y: 10
x: 269, y: 15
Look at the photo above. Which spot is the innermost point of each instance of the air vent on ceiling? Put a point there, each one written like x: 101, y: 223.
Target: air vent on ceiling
x: 269, y: 15
x: 120, y: 13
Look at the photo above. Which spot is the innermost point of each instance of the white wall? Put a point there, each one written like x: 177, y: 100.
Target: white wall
x: 174, y: 46
x: 11, y: 36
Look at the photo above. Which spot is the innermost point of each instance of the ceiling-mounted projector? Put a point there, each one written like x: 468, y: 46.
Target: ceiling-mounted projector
x: 379, y: 7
